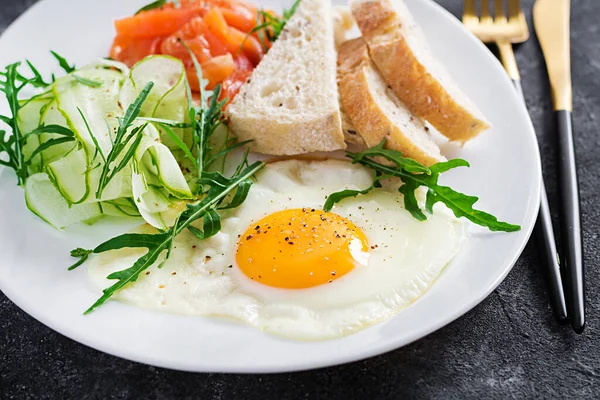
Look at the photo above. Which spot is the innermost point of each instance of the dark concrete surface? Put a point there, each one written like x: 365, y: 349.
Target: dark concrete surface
x: 507, y: 347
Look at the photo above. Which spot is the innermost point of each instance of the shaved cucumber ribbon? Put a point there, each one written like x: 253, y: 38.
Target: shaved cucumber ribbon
x: 168, y: 98
x: 151, y: 185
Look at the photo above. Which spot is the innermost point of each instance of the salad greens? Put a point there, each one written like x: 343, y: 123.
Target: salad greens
x: 125, y: 138
x: 11, y: 84
x: 215, y: 191
x: 105, y: 140
x: 414, y: 175
x: 63, y: 63
x: 12, y: 145
x: 157, y: 244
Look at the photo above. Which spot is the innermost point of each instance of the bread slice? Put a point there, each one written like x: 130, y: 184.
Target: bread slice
x: 375, y: 112
x: 290, y: 104
x: 351, y: 135
x: 400, y: 51
x: 343, y: 22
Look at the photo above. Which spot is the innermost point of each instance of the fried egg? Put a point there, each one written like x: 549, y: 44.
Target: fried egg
x: 283, y: 265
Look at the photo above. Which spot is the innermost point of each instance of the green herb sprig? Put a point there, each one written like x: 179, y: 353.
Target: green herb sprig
x: 12, y: 145
x: 12, y: 82
x: 238, y: 186
x: 37, y: 80
x: 65, y: 135
x: 204, y: 120
x: 85, y: 81
x: 269, y: 27
x: 414, y: 175
x: 126, y: 141
x: 63, y: 63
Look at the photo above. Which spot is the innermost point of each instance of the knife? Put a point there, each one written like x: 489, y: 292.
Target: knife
x: 551, y: 21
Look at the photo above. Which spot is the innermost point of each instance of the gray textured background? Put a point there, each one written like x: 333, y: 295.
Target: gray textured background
x: 507, y: 347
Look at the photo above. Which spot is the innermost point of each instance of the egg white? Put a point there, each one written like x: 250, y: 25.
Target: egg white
x: 201, y: 277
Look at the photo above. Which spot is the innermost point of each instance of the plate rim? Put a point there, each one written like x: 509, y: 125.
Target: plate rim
x: 374, y: 350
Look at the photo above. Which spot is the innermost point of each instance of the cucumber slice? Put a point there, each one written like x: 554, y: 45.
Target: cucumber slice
x: 168, y: 98
x: 120, y: 208
x: 45, y: 201
x: 155, y: 177
x: 118, y: 187
x: 150, y: 186
x: 70, y: 176
x: 52, y: 116
x: 103, y: 63
x: 99, y: 106
x: 92, y: 113
x: 29, y: 115
x: 160, y: 159
x: 28, y: 119
x: 147, y: 199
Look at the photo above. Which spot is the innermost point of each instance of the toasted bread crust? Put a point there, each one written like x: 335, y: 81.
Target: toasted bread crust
x: 350, y: 133
x: 368, y: 118
x: 371, y: 15
x: 410, y: 80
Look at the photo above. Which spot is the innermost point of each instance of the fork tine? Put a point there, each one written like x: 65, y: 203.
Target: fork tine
x: 469, y: 9
x: 514, y: 9
x: 486, y: 17
x: 499, y: 15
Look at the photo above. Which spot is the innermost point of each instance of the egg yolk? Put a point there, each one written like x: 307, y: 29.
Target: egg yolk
x: 300, y: 248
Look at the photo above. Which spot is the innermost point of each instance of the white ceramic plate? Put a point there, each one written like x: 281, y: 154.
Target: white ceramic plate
x: 505, y: 173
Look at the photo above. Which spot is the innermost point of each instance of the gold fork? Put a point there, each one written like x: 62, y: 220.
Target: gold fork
x: 500, y: 29
x: 505, y: 30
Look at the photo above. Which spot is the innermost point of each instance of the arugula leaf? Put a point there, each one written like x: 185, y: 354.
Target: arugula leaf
x: 85, y: 81
x: 37, y: 80
x: 227, y: 148
x: 211, y: 226
x: 407, y: 171
x: 98, y: 149
x: 408, y: 164
x: 269, y: 27
x: 83, y: 255
x: 172, y: 124
x: 335, y: 198
x: 210, y: 118
x: 12, y: 145
x: 58, y: 129
x: 122, y: 140
x: 63, y: 63
x: 152, y: 6
x: 182, y: 146
x: 66, y: 133
x: 205, y: 211
x: 205, y: 120
x: 47, y: 144
x: 287, y: 14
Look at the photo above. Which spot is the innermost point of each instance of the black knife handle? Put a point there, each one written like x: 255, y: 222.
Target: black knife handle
x: 549, y: 257
x: 572, y: 244
x: 546, y: 241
